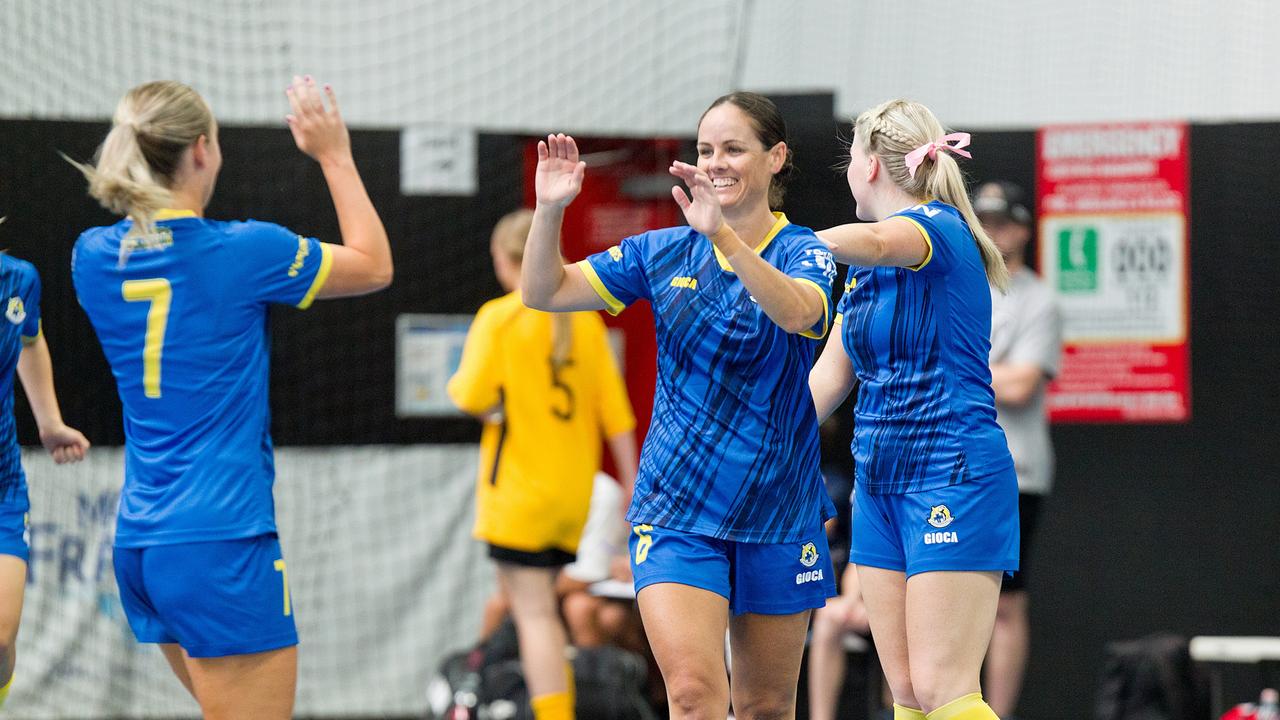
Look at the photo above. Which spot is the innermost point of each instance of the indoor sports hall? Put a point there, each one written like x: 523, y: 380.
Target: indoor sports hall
x: 1143, y: 137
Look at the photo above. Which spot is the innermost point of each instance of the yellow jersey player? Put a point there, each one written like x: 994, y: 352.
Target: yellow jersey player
x: 548, y: 390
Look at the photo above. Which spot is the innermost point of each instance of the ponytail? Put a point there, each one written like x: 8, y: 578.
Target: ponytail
x: 509, y: 237
x: 561, y: 338
x: 947, y: 184
x: 122, y: 182
x: 135, y: 167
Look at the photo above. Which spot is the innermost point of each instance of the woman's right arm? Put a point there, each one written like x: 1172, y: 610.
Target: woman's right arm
x: 831, y: 378
x: 546, y: 283
x: 362, y: 263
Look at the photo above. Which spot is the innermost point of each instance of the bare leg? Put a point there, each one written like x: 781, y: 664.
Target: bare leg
x: 686, y: 629
x: 766, y: 664
x: 13, y: 583
x: 826, y: 661
x: 885, y: 594
x: 177, y: 658
x: 949, y: 620
x: 531, y: 593
x: 1007, y: 658
x: 258, y: 685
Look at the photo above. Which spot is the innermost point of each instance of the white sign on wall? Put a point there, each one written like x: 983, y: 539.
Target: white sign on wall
x: 428, y: 350
x: 437, y: 160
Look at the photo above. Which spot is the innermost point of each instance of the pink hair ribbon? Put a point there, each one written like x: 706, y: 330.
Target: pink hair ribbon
x: 916, y: 157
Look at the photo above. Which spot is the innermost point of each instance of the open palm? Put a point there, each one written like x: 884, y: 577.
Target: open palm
x: 558, y: 179
x: 702, y: 210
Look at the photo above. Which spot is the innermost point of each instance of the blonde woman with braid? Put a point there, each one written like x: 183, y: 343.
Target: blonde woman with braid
x: 935, y: 506
x: 180, y: 303
x: 548, y: 390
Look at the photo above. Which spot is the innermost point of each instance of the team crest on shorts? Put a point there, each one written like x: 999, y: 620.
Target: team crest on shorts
x: 808, y: 554
x: 16, y: 312
x: 940, y: 516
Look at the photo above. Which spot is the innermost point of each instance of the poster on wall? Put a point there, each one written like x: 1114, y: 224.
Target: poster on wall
x: 1113, y: 205
x: 428, y: 350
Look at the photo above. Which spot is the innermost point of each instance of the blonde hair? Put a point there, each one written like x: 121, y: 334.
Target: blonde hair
x: 134, y: 168
x: 890, y: 131
x: 509, y: 237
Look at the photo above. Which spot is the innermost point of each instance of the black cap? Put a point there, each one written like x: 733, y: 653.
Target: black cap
x: 1002, y: 198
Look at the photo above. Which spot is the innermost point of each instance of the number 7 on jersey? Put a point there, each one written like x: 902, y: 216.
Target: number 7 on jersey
x: 157, y: 292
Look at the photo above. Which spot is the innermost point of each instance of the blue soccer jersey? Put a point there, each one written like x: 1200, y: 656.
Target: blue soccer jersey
x: 919, y: 339
x: 20, y: 293
x: 732, y: 450
x: 182, y: 319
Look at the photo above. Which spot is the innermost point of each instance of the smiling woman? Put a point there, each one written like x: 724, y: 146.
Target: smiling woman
x: 728, y: 507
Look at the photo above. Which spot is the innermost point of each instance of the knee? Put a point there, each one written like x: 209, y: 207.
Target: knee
x: 765, y: 706
x: 825, y: 626
x: 694, y: 696
x: 1012, y: 607
x: 932, y: 692
x: 579, y: 614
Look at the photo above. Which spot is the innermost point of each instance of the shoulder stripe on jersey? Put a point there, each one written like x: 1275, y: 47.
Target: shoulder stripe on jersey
x: 927, y: 241
x: 825, y: 309
x: 31, y: 339
x: 780, y: 221
x: 326, y: 264
x: 614, y: 305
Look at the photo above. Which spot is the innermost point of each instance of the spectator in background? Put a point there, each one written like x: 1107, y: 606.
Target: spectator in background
x: 1026, y: 345
x: 548, y: 391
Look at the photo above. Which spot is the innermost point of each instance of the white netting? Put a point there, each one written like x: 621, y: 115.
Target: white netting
x: 384, y: 577
x: 613, y: 68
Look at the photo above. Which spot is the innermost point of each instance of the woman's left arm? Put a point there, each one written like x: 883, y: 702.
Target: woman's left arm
x: 794, y: 306
x: 894, y: 242
x: 35, y: 370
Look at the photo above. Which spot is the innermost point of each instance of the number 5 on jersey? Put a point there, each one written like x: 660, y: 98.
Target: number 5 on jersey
x: 157, y: 292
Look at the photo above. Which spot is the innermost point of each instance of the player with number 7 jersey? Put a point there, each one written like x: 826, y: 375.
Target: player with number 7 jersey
x: 179, y: 303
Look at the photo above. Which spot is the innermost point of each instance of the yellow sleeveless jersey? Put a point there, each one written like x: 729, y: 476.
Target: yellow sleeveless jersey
x: 541, y: 447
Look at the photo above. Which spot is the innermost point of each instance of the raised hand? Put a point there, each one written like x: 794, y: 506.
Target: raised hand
x: 64, y: 443
x: 702, y: 211
x: 559, y: 177
x: 317, y: 131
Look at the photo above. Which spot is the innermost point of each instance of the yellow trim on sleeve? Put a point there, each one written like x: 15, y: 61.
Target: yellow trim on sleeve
x: 839, y: 319
x: 927, y: 241
x: 613, y: 304
x: 780, y: 221
x: 31, y: 340
x: 826, y: 327
x: 322, y: 275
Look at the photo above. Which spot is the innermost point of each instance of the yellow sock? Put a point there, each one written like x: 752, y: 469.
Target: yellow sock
x: 901, y: 712
x: 968, y: 707
x: 4, y: 691
x: 554, y: 706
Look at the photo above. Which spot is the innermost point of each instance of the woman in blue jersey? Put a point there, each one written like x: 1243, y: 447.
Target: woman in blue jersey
x: 23, y: 349
x: 179, y: 303
x: 935, y: 508
x: 729, y: 503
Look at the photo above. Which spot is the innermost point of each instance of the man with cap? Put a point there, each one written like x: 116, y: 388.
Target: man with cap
x: 1026, y: 348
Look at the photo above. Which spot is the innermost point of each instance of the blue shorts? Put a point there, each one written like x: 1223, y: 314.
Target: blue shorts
x: 763, y: 578
x: 14, y: 539
x: 216, y: 598
x: 970, y: 526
